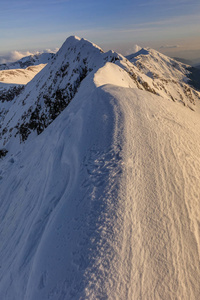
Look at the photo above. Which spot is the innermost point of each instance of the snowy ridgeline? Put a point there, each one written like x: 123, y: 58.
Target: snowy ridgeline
x: 52, y: 89
x: 104, y: 202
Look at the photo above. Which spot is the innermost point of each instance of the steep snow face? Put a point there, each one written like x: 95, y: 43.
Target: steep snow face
x: 150, y: 60
x: 168, y: 77
x: 12, y: 83
x: 104, y: 204
x: 52, y: 89
x: 31, y: 60
x: 194, y: 77
x: 8, y: 92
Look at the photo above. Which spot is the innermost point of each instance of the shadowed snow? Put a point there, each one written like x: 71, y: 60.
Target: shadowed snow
x: 104, y: 204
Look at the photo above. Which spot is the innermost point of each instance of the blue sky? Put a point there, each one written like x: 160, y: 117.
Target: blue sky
x: 171, y: 26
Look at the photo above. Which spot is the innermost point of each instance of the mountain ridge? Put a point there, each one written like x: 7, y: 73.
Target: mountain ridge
x: 27, y: 61
x: 103, y: 204
x: 51, y: 90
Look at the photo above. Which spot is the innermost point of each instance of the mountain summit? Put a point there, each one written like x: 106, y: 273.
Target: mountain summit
x: 48, y: 94
x: 99, y: 179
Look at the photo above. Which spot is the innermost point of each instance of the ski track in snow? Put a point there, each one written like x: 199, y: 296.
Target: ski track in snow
x: 105, y: 203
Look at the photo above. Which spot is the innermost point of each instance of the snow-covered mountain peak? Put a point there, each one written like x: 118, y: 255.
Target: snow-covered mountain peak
x: 104, y: 203
x: 53, y: 88
x: 133, y: 57
x: 72, y: 39
x: 148, y: 59
x: 168, y: 77
x: 74, y: 43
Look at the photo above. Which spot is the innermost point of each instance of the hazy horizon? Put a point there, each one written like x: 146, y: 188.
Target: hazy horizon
x: 172, y: 28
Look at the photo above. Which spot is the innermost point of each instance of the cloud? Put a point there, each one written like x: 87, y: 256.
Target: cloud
x: 133, y: 49
x: 136, y: 48
x: 170, y: 46
x: 50, y: 50
x: 13, y: 56
x: 17, y: 55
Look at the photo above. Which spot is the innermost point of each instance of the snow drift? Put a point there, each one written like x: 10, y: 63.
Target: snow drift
x: 104, y: 203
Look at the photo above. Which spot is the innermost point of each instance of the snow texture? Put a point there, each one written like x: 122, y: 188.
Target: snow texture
x: 104, y: 203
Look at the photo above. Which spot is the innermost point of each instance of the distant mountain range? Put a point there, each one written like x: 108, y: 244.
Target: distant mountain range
x: 13, y: 76
x: 99, y: 176
x: 31, y: 60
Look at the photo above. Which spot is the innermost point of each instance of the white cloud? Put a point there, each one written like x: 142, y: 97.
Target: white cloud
x: 13, y: 56
x: 16, y: 55
x: 134, y: 49
x: 50, y: 50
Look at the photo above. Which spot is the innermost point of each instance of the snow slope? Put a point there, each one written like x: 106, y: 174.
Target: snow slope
x: 150, y: 60
x: 27, y: 61
x: 13, y: 77
x: 104, y: 203
x: 12, y: 83
x: 20, y: 76
x: 52, y: 89
x: 169, y: 78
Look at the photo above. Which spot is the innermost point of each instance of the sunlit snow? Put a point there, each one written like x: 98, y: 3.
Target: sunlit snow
x: 104, y: 202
